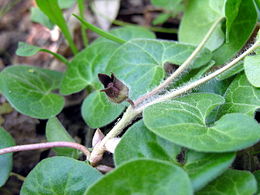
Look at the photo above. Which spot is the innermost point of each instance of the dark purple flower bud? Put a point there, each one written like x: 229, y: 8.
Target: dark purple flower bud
x: 114, y: 88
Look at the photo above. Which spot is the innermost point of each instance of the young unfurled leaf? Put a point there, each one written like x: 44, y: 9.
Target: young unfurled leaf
x: 184, y: 122
x: 56, y: 132
x: 29, y: 90
x: 232, y: 182
x: 143, y: 176
x: 60, y: 175
x: 6, y: 160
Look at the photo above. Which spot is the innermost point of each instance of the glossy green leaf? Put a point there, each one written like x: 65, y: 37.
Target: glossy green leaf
x: 239, y: 28
x: 184, y: 122
x: 59, y: 175
x: 6, y: 160
x: 252, y: 69
x: 198, y: 18
x: 39, y: 17
x: 241, y: 97
x: 29, y: 90
x: 142, y: 61
x: 257, y: 177
x: 51, y: 9
x: 85, y: 66
x: 231, y: 182
x: 204, y: 167
x: 98, y: 111
x: 56, y: 132
x: 139, y: 142
x: 143, y: 177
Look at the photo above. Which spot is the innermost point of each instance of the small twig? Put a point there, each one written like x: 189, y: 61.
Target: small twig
x: 38, y: 146
x: 183, y: 67
x: 20, y: 177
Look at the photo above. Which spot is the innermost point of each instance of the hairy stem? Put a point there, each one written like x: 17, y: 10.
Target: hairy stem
x: 182, y: 68
x: 99, y: 149
x: 202, y: 80
x: 38, y: 146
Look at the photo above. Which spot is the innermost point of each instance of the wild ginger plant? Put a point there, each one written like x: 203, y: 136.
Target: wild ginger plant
x: 183, y: 130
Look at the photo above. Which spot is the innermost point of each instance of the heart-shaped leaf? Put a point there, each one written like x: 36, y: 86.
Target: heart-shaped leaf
x: 60, y: 175
x: 139, y: 142
x: 97, y: 111
x: 143, y: 177
x: 142, y: 61
x: 241, y: 97
x: 232, y: 182
x: 184, y: 122
x: 204, y: 167
x: 29, y: 90
x: 85, y: 66
x: 6, y: 160
x: 252, y: 69
x: 198, y: 18
x: 56, y: 132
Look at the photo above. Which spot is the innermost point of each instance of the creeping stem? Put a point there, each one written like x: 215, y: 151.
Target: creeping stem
x: 46, y: 145
x: 182, y: 68
x: 99, y: 149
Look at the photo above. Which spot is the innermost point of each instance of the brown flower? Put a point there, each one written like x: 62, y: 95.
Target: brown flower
x: 114, y: 88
